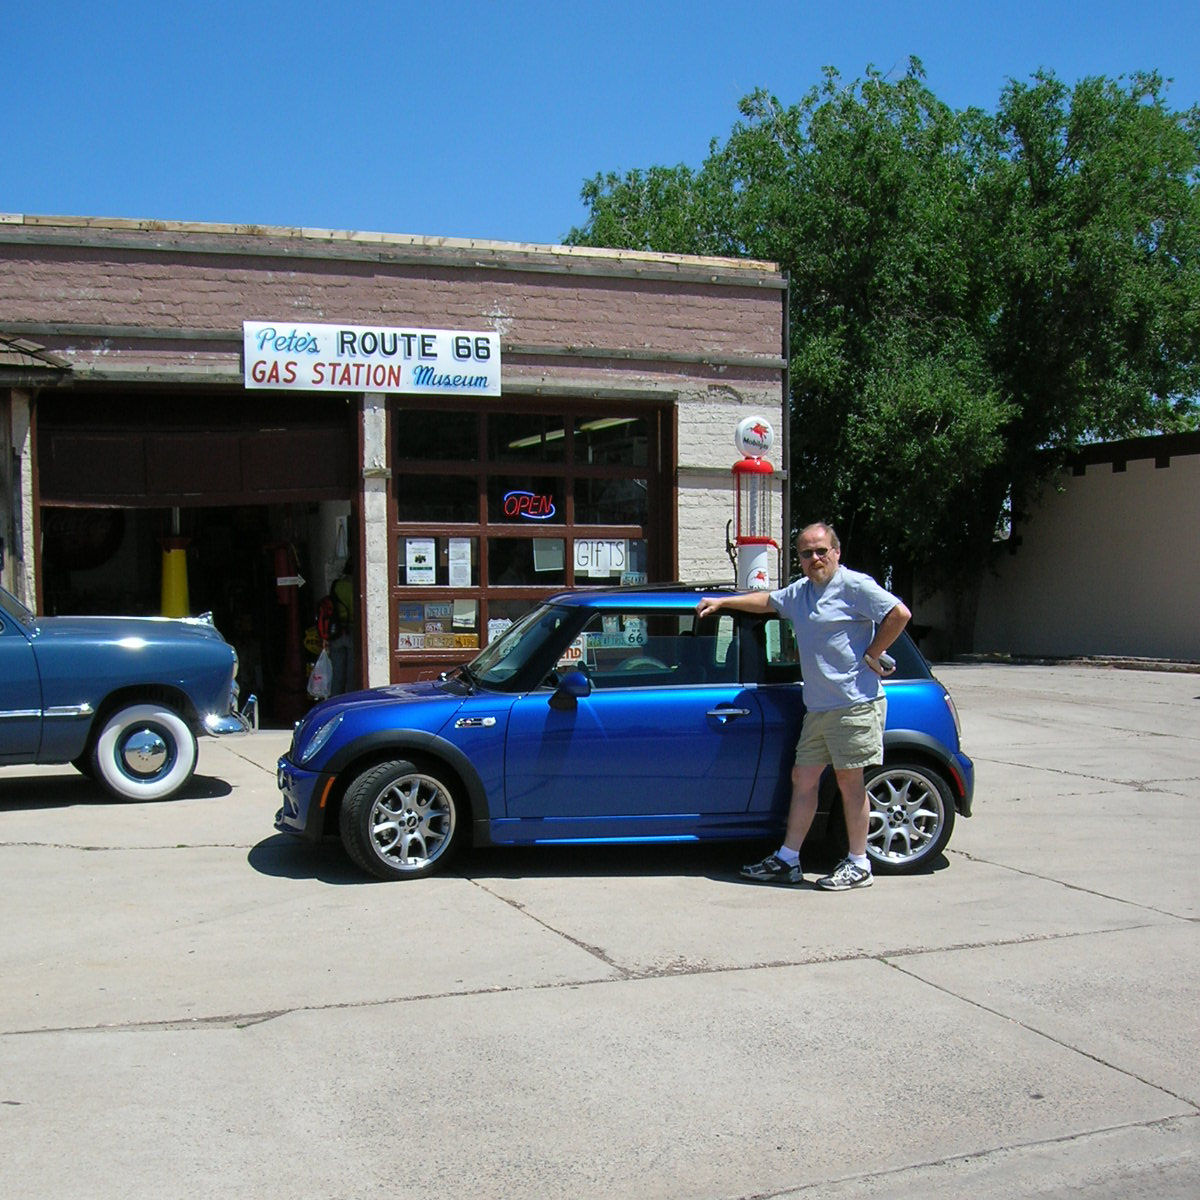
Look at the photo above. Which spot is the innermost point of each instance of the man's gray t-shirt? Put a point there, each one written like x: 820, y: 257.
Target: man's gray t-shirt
x: 834, y: 626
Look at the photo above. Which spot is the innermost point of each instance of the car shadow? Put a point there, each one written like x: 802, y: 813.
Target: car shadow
x: 66, y: 791
x: 719, y: 861
x: 713, y: 860
x: 286, y: 857
x: 282, y: 856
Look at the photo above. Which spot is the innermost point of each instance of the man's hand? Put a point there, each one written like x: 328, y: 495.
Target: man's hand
x: 882, y: 664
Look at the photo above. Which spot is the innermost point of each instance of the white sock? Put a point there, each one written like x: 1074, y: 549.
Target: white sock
x: 860, y: 860
x: 788, y: 856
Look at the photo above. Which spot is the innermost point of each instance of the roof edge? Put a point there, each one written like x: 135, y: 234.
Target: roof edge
x: 364, y: 237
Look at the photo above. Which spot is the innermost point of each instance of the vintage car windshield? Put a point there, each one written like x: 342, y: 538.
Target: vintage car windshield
x: 504, y: 658
x: 12, y: 607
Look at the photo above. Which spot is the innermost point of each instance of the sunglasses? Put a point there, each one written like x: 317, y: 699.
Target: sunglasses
x: 819, y: 552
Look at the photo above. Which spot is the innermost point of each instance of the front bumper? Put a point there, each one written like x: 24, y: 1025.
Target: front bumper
x: 304, y: 797
x: 222, y: 724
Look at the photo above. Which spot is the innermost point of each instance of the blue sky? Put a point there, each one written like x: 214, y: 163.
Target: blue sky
x: 479, y: 119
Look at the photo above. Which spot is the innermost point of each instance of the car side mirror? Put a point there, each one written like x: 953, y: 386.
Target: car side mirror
x: 571, y: 688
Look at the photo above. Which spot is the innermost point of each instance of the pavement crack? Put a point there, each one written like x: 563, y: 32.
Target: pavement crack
x: 1074, y: 887
x: 863, y: 1177
x: 595, y: 951
x: 1050, y: 1037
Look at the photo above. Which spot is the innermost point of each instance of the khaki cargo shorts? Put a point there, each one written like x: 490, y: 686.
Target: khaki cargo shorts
x: 846, y: 737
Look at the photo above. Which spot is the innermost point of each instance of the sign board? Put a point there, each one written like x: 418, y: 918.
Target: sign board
x: 288, y: 356
x: 600, y: 558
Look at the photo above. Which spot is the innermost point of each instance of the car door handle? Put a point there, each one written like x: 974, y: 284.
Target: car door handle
x: 724, y: 714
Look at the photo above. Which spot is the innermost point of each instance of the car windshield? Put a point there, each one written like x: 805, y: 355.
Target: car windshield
x: 12, y: 607
x: 504, y: 658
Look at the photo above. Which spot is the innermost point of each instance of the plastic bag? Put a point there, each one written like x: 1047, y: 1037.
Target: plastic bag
x: 320, y: 680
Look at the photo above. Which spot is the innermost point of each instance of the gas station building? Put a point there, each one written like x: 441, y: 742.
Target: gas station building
x: 245, y: 420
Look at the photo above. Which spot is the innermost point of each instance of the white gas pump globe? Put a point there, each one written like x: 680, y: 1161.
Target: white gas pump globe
x: 754, y: 436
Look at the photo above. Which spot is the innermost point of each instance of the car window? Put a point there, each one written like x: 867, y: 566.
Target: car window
x: 910, y: 662
x: 12, y: 607
x: 638, y: 648
x: 522, y: 643
x: 780, y: 656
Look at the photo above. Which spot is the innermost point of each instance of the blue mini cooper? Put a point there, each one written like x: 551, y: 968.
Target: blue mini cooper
x: 609, y: 716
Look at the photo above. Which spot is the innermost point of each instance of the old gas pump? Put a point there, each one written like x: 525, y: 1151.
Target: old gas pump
x: 754, y: 544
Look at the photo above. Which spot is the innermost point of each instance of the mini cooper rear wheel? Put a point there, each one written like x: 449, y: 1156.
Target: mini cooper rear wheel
x: 400, y: 821
x: 144, y: 752
x: 911, y: 815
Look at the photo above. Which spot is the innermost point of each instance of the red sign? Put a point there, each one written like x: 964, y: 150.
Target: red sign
x: 528, y: 506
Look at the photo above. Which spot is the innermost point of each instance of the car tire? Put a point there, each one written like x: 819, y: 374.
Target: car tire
x: 400, y: 820
x: 911, y: 815
x: 144, y: 752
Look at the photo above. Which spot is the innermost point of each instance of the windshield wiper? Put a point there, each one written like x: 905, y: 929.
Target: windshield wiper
x: 463, y: 672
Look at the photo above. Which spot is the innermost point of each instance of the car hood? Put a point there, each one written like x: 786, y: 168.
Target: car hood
x: 115, y: 629
x: 426, y: 705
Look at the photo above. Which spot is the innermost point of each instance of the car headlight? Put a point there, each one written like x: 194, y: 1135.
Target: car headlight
x: 319, y: 738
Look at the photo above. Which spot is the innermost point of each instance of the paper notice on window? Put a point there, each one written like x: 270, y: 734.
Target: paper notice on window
x: 548, y: 554
x: 420, y: 563
x: 460, y: 562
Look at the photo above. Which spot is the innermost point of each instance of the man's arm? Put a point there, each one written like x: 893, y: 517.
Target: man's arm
x: 886, y: 633
x: 751, y: 602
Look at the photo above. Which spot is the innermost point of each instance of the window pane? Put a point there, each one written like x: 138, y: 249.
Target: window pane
x: 439, y: 562
x: 612, y: 441
x: 438, y: 625
x: 513, y: 562
x: 435, y: 433
x: 525, y: 437
x: 611, y: 502
x: 526, y: 500
x: 442, y: 498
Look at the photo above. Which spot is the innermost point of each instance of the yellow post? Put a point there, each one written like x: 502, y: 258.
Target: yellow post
x: 174, y: 578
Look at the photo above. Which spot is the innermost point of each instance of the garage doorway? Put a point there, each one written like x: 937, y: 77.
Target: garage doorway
x: 110, y: 561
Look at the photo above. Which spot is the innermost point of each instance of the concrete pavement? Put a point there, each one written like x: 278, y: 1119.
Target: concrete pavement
x: 194, y: 1006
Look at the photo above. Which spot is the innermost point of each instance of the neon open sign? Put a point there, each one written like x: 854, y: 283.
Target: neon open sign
x: 528, y: 506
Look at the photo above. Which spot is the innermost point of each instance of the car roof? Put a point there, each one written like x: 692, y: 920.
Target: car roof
x: 655, y: 595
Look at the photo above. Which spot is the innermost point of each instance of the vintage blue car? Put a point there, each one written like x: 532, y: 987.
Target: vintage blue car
x: 608, y: 716
x: 122, y: 698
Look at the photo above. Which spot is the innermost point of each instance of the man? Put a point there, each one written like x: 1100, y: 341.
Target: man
x: 843, y: 621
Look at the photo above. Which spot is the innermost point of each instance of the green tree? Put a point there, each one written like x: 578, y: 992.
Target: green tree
x: 971, y: 294
x: 1092, y: 206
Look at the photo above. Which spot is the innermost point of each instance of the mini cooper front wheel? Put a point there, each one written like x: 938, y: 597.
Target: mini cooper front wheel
x: 400, y: 821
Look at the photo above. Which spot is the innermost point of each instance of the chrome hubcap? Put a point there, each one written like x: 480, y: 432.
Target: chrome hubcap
x: 144, y: 752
